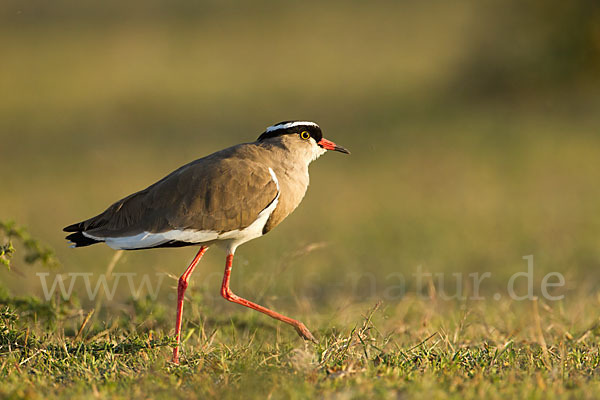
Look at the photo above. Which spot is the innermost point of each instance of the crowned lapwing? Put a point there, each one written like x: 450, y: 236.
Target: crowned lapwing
x: 227, y: 198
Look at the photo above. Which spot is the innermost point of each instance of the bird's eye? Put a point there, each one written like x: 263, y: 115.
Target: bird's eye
x: 305, y: 135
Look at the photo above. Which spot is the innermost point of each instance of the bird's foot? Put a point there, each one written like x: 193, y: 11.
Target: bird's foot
x: 305, y: 333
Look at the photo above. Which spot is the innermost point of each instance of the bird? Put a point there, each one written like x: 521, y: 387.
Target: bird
x: 226, y: 198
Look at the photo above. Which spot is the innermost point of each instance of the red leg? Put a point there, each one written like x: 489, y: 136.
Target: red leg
x: 229, y: 295
x: 183, y: 284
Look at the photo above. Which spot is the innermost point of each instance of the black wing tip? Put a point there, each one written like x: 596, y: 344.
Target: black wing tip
x: 79, y: 239
x: 73, y: 228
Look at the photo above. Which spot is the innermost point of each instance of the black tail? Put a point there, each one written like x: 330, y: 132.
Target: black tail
x: 78, y: 238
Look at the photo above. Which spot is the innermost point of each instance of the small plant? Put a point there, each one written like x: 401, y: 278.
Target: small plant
x: 34, y: 250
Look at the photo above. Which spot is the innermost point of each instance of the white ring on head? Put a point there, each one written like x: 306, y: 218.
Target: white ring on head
x: 290, y: 125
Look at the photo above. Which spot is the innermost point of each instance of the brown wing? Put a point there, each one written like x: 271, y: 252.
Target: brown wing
x: 221, y: 192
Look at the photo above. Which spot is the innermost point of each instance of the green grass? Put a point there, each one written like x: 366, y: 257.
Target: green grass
x: 440, y: 350
x: 474, y: 136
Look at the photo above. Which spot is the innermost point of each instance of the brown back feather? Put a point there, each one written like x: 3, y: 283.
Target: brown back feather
x: 221, y: 192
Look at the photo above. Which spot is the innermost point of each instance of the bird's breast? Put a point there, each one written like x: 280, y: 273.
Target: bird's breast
x: 293, y: 185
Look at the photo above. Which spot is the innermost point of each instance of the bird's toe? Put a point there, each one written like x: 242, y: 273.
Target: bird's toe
x: 305, y: 333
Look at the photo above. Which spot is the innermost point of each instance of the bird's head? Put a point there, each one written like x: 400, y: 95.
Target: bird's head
x: 302, y: 136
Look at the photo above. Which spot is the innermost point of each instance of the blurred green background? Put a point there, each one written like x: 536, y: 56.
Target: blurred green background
x: 474, y: 128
